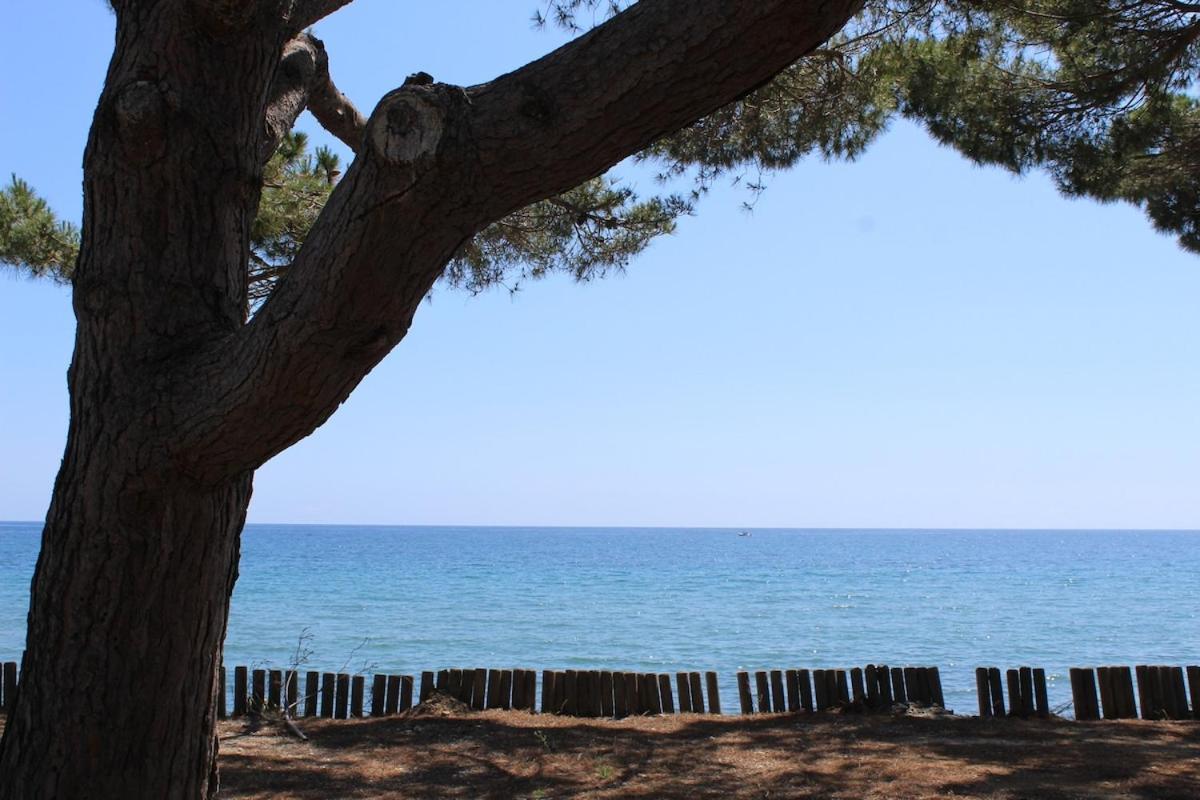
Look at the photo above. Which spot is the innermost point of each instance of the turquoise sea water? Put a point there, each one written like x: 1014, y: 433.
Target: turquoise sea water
x: 406, y: 599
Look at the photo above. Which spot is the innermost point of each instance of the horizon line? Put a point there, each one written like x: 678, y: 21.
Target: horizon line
x: 836, y: 528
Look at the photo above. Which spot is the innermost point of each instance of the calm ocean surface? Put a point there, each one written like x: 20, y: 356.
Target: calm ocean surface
x: 405, y: 599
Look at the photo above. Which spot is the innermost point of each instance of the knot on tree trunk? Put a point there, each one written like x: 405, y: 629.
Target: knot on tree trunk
x: 408, y: 124
x: 141, y: 110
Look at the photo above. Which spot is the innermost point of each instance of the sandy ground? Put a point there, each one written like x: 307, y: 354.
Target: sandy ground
x: 497, y: 754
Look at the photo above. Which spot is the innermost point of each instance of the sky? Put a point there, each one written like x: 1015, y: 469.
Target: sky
x: 902, y: 341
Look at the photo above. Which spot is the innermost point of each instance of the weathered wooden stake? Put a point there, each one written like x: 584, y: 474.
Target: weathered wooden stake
x: 664, y: 692
x: 684, y: 687
x: 221, y: 700
x: 392, y: 694
x: 258, y: 689
x: 983, y: 692
x: 793, y: 690
x: 777, y: 699
x: 426, y: 686
x: 341, y: 705
x: 1042, y: 705
x: 327, y: 679
x: 312, y: 680
x: 743, y: 682
x: 406, y: 692
x: 274, y: 688
x: 714, y: 695
x: 764, y: 692
x: 356, y: 696
x: 378, y: 695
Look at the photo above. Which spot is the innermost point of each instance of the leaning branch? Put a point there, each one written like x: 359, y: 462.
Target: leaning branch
x: 438, y: 164
x: 303, y: 81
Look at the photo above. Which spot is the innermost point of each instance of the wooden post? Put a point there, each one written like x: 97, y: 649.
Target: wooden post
x: 454, y: 683
x: 656, y: 707
x: 806, y: 698
x: 1108, y: 703
x: 493, y: 688
x: 925, y: 690
x: 258, y: 690
x: 1159, y: 701
x: 843, y: 688
x: 858, y: 693
x: 274, y: 688
x: 764, y: 692
x: 714, y: 695
x: 1015, y: 707
x: 883, y: 677
x: 1179, y: 691
x: 1145, y: 693
x: 606, y: 694
x: 1122, y: 689
x: 620, y: 701
x: 595, y: 695
x: 633, y: 697
x: 560, y: 693
x: 820, y: 689
x: 899, y: 695
x: 571, y: 694
x: 506, y: 690
x: 378, y: 695
x: 1026, y: 680
x: 426, y: 686
x: 583, y: 702
x: 935, y: 688
x: 392, y: 693
x: 983, y: 692
x: 793, y: 690
x: 530, y: 691
x: 664, y: 693
x: 697, y: 689
x: 1083, y: 691
x: 547, y: 691
x: 327, y: 679
x: 743, y: 682
x: 872, y: 687
x: 222, y: 710
x: 443, y: 680
x: 406, y: 692
x: 311, y: 681
x: 912, y: 687
x: 291, y: 690
x: 997, y: 692
x: 777, y: 700
x: 341, y: 706
x: 1042, y: 705
x: 356, y: 696
x: 684, y: 686
x: 479, y: 690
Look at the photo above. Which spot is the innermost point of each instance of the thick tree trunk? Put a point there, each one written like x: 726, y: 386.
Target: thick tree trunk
x: 126, y: 623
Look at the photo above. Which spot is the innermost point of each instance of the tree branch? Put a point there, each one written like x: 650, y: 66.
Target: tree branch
x: 438, y: 164
x: 303, y: 81
x: 310, y: 12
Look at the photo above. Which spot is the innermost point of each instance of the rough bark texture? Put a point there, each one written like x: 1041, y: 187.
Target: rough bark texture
x: 175, y: 400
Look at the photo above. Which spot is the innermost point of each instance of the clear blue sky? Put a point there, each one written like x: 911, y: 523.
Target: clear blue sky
x: 903, y: 341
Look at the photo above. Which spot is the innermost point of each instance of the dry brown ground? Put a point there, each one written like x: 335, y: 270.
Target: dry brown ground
x: 498, y: 754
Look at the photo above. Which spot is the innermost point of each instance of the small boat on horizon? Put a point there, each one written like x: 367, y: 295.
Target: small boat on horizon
x: 743, y: 533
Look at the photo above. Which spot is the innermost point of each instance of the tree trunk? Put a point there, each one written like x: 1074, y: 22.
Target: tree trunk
x: 127, y: 617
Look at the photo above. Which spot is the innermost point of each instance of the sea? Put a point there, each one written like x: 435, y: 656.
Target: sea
x: 401, y: 600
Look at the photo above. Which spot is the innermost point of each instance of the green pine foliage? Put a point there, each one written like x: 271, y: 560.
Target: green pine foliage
x: 1099, y: 93
x: 32, y: 238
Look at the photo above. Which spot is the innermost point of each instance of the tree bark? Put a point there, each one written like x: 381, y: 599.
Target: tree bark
x: 175, y: 400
